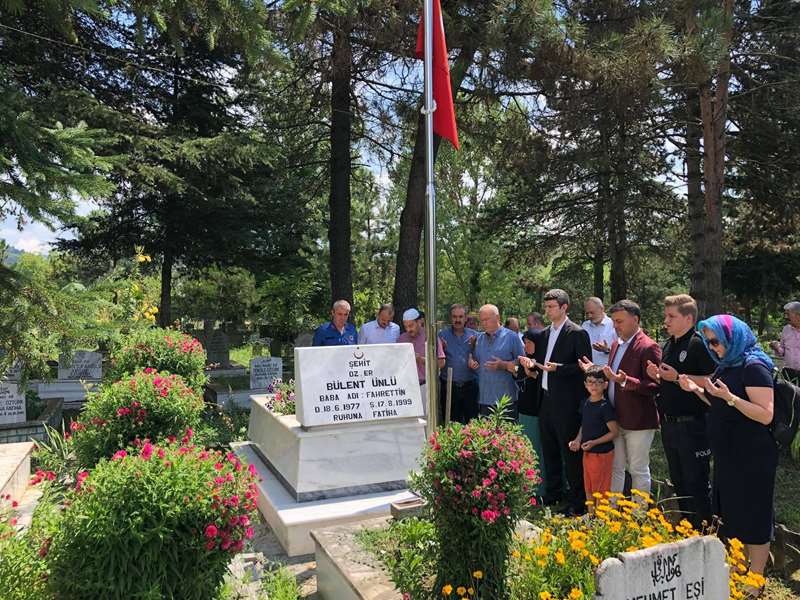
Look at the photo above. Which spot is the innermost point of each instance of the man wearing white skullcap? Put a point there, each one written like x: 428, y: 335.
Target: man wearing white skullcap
x: 415, y: 335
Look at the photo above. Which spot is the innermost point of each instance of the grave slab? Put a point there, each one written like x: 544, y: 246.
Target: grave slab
x: 293, y: 521
x: 328, y: 462
x: 15, y: 468
x: 81, y: 365
x: 263, y: 370
x: 12, y: 403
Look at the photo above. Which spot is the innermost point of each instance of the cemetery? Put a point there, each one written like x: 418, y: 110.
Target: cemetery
x: 399, y: 300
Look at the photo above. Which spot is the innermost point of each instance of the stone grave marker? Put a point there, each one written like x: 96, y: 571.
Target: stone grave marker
x: 692, y: 569
x: 263, y: 370
x: 12, y: 403
x: 304, y: 340
x: 218, y: 349
x: 81, y: 365
x: 355, y: 384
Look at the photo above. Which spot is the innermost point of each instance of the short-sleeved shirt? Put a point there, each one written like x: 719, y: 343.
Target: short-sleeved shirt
x: 372, y: 333
x: 790, y: 347
x: 687, y: 355
x: 327, y: 335
x: 419, y: 348
x: 457, y: 350
x: 594, y: 423
x: 604, y: 332
x: 494, y: 384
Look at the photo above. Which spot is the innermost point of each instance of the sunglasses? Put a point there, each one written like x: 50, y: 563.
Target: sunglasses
x: 713, y: 342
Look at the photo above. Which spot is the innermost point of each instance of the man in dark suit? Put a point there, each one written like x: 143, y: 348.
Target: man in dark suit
x: 560, y: 347
x: 632, y: 392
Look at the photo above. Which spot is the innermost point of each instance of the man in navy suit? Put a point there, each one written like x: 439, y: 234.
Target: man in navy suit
x: 558, y: 351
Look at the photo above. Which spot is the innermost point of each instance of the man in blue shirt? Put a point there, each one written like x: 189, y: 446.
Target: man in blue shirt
x: 497, y: 350
x: 382, y: 330
x: 457, y: 341
x: 338, y: 331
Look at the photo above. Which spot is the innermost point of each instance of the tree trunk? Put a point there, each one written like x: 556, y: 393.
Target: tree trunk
x: 341, y: 263
x: 598, y: 272
x: 413, y: 215
x: 165, y: 310
x: 696, y: 202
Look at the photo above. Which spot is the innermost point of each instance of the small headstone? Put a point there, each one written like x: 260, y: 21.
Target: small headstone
x: 81, y: 365
x: 12, y: 403
x: 264, y: 370
x: 218, y: 349
x: 692, y: 569
x: 355, y: 384
x: 304, y: 340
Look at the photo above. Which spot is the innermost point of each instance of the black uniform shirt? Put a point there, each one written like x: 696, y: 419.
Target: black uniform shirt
x: 687, y: 355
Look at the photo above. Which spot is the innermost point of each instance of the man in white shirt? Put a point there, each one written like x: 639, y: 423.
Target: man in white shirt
x: 600, y: 328
x: 382, y: 330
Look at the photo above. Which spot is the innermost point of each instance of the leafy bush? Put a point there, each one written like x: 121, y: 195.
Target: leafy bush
x: 561, y: 562
x: 157, y: 522
x: 161, y: 350
x: 147, y: 405
x: 283, y: 401
x: 22, y: 573
x: 479, y: 480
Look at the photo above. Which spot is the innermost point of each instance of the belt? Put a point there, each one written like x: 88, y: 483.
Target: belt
x: 680, y: 418
x: 457, y: 384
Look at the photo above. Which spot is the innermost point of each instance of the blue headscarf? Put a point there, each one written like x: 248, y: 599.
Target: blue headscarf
x: 739, y: 342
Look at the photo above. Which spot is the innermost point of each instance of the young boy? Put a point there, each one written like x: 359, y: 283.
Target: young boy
x: 596, y: 435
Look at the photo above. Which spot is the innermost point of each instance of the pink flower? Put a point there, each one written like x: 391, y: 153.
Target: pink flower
x: 80, y: 479
x: 149, y: 370
x: 249, y: 533
x: 489, y: 516
x: 147, y: 451
x: 211, y: 531
x: 476, y: 493
x: 533, y: 501
x: 251, y: 469
x: 161, y: 453
x: 211, y: 545
x: 119, y: 455
x: 501, y: 464
x: 244, y: 520
x: 487, y: 482
x: 218, y: 466
x: 530, y: 474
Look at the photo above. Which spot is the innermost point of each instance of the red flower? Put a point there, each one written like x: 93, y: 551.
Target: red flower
x: 211, y: 531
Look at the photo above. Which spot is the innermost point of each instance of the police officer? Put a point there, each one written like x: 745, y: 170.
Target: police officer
x: 682, y: 414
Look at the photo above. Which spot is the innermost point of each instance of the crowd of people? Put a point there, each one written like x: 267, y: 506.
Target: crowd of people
x: 591, y: 398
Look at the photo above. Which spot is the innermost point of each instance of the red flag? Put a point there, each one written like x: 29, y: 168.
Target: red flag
x: 444, y: 117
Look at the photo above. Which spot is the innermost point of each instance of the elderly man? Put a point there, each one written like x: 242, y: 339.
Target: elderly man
x: 413, y: 323
x: 382, y: 330
x: 495, y: 357
x: 789, y: 346
x: 600, y: 329
x: 457, y: 341
x: 338, y: 331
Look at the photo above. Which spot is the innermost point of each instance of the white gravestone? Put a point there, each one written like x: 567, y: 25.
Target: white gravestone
x: 81, y: 365
x: 692, y: 569
x: 12, y: 373
x: 12, y: 403
x: 356, y: 384
x: 264, y: 370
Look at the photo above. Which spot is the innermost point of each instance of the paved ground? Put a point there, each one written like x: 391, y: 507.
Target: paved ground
x: 302, y: 567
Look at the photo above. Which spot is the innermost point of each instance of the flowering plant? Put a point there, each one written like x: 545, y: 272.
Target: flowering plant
x: 157, y: 521
x: 145, y: 405
x: 161, y: 350
x: 560, y: 563
x: 22, y: 575
x: 283, y: 399
x: 479, y: 480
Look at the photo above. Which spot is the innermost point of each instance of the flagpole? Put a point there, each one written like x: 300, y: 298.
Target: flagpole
x: 432, y: 374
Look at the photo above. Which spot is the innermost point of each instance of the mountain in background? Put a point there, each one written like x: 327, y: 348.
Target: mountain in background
x: 11, y: 255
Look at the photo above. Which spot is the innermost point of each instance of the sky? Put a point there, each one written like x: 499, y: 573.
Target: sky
x: 35, y: 237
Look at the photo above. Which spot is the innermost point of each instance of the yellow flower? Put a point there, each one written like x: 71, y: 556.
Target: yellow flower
x: 575, y: 594
x: 447, y: 590
x: 527, y: 556
x: 560, y: 559
x: 471, y: 591
x: 461, y: 590
x: 478, y: 574
x: 545, y: 596
x: 515, y: 554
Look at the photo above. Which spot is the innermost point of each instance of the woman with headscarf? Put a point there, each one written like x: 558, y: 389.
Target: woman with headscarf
x: 740, y: 393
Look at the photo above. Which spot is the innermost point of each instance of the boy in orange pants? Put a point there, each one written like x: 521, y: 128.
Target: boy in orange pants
x: 596, y: 435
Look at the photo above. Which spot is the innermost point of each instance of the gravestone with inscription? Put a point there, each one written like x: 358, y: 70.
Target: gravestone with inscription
x: 81, y: 365
x: 218, y: 349
x: 346, y: 453
x: 692, y: 569
x: 264, y: 370
x: 12, y: 403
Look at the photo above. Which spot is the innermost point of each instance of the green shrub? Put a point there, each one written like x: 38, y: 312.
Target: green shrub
x: 147, y: 405
x: 479, y: 480
x: 22, y: 572
x: 161, y: 350
x: 157, y: 522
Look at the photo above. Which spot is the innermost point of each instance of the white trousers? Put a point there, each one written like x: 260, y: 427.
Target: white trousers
x: 423, y: 389
x: 632, y: 453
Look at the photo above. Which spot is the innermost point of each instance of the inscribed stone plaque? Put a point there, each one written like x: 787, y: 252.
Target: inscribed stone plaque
x: 264, y: 370
x: 12, y: 403
x: 218, y: 349
x: 12, y: 373
x: 692, y: 569
x: 354, y: 384
x: 81, y: 365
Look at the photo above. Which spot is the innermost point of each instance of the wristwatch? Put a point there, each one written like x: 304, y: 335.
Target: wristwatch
x: 732, y: 401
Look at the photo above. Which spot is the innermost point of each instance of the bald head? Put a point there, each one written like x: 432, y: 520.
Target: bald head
x: 489, y: 316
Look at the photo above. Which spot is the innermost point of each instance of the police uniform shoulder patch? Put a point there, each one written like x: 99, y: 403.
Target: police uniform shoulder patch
x: 682, y: 356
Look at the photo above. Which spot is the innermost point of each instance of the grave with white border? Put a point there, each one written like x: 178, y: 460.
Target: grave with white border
x: 264, y: 370
x: 346, y: 453
x: 80, y: 365
x: 12, y: 403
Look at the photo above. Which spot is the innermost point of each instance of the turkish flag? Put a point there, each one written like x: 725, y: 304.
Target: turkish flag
x: 444, y: 117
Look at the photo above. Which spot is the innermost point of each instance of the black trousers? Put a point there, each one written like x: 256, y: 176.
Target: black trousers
x: 688, y: 455
x: 464, y: 401
x: 559, y: 422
